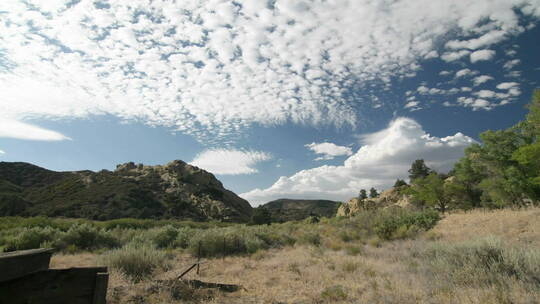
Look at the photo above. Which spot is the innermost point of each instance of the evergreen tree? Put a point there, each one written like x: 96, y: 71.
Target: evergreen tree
x: 418, y: 169
x: 373, y: 193
x: 399, y: 183
x: 362, y: 195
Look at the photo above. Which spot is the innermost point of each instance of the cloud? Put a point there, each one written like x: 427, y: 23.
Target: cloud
x: 328, y: 150
x: 230, y: 161
x: 482, y: 55
x: 465, y: 73
x: 511, y: 64
x: 21, y: 130
x: 411, y: 104
x: 2, y: 152
x: 214, y: 68
x: 385, y: 156
x: 481, y: 79
x: 507, y: 85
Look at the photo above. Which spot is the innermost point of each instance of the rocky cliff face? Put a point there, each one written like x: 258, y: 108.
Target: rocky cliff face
x: 176, y: 190
x: 387, y: 199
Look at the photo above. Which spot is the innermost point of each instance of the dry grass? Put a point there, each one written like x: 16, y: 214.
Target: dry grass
x: 391, y: 272
x: 519, y: 227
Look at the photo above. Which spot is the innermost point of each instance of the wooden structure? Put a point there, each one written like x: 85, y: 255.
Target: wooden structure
x: 25, y: 278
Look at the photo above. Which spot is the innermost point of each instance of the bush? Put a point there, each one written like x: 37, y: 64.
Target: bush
x: 334, y: 294
x: 165, y: 237
x: 86, y: 237
x: 137, y: 262
x: 400, y: 223
x: 29, y: 238
x: 484, y: 262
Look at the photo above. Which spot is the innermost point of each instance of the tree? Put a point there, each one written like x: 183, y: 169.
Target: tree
x: 373, y: 193
x: 261, y: 216
x: 418, y: 169
x: 433, y: 191
x: 399, y: 183
x: 362, y: 195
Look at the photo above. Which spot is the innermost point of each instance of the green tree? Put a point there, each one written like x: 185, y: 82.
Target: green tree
x: 433, y: 190
x: 418, y: 169
x: 261, y: 216
x: 362, y: 195
x: 373, y: 193
x: 400, y: 183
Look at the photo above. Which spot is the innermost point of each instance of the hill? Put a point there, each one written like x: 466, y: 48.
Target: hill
x: 176, y: 190
x: 283, y: 210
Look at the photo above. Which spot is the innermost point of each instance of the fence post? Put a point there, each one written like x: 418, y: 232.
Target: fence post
x: 198, y: 258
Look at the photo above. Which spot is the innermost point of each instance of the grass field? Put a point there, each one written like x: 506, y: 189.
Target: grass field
x: 469, y: 257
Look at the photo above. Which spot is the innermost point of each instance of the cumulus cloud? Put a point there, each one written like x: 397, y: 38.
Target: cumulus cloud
x: 230, y: 161
x: 510, y: 64
x: 384, y: 156
x: 2, y: 152
x: 22, y: 130
x: 465, y: 73
x: 481, y: 79
x: 328, y: 150
x: 212, y: 68
x: 482, y: 55
x: 507, y: 85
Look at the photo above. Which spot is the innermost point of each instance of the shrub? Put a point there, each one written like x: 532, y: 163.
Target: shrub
x: 310, y: 238
x: 334, y: 294
x: 484, y: 262
x: 29, y: 238
x: 400, y: 223
x: 137, y: 262
x: 86, y: 237
x: 165, y: 237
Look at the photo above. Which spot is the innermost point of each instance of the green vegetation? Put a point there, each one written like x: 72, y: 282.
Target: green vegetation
x: 502, y: 171
x: 136, y: 261
x: 283, y: 210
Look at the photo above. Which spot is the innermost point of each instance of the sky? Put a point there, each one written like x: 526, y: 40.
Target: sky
x: 279, y: 99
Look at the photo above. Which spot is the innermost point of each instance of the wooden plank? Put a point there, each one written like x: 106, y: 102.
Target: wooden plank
x: 16, y: 264
x: 53, y: 286
x: 100, y: 290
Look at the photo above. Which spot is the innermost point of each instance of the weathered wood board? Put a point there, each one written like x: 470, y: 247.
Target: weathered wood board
x: 20, y: 263
x: 57, y: 286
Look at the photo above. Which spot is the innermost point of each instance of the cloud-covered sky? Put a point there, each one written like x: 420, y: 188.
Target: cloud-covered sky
x: 267, y: 90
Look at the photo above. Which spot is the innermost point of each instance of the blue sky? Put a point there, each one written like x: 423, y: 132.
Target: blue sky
x: 298, y: 99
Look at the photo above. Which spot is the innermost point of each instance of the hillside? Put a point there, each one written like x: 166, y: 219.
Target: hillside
x: 176, y: 190
x: 283, y: 210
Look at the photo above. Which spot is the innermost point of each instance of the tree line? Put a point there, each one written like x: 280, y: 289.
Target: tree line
x: 501, y: 171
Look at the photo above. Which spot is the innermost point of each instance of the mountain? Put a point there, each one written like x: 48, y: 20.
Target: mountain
x: 176, y: 190
x: 283, y: 210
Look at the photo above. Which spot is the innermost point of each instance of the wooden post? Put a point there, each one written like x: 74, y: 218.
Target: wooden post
x: 100, y: 289
x: 198, y: 258
x: 17, y: 264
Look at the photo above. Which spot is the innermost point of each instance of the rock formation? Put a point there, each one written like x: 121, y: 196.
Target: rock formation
x: 176, y: 190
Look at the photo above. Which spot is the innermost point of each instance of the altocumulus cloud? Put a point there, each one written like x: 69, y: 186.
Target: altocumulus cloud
x: 230, y: 161
x: 384, y: 156
x: 213, y: 68
x: 328, y: 150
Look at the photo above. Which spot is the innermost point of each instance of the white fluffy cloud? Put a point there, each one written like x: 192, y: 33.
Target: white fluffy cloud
x: 482, y: 55
x: 481, y: 79
x: 328, y: 150
x: 21, y: 130
x: 507, y: 85
x: 384, y: 156
x: 2, y: 152
x: 211, y: 68
x: 230, y: 161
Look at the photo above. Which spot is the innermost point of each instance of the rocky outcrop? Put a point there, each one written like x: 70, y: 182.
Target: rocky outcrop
x: 386, y: 199
x: 176, y: 190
